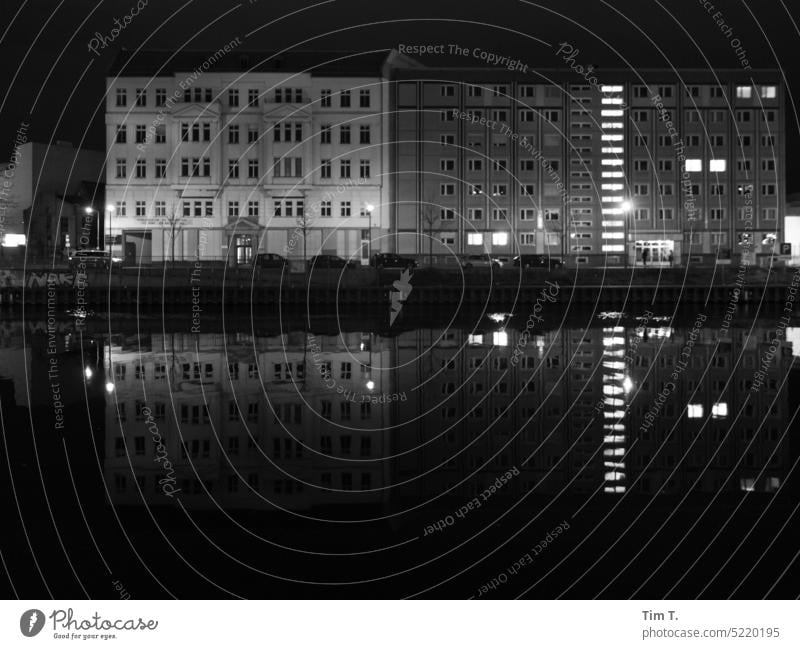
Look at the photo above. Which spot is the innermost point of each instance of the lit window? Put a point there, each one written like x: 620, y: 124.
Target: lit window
x: 694, y: 164
x: 768, y: 92
x: 500, y: 339
x: 475, y: 239
x: 744, y: 92
x: 694, y: 410
x: 718, y: 165
x: 499, y: 238
x: 719, y: 410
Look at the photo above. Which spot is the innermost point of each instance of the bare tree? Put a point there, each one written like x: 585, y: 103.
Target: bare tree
x: 429, y: 217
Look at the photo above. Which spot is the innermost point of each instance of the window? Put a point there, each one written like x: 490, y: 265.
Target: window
x: 121, y: 134
x: 499, y: 189
x: 325, y: 134
x: 233, y: 97
x: 551, y: 214
x: 499, y: 238
x: 474, y: 238
x: 252, y: 133
x: 233, y: 213
x: 140, y: 134
x: 768, y: 189
x: 499, y: 214
x: 325, y: 169
x: 122, y: 97
x: 447, y: 189
x: 718, y: 165
x: 665, y: 165
x: 475, y: 213
x: 325, y: 98
x: 666, y: 189
x: 665, y: 214
x: 447, y: 164
x: 141, y: 169
x: 121, y: 208
x: 769, y: 92
x: 233, y: 134
x: 364, y: 98
x: 140, y: 208
x: 233, y: 168
x: 121, y: 168
x: 446, y: 139
x: 344, y: 135
x: 694, y: 164
x: 161, y: 97
x: 641, y: 165
x: 344, y: 99
x: 641, y: 190
x: 447, y: 213
x: 161, y: 168
x: 768, y: 165
x: 344, y: 209
x: 252, y: 97
x: 526, y: 190
x: 527, y: 214
x: 252, y: 168
x: 717, y: 213
x: 364, y: 169
x: 252, y: 209
x: 344, y: 168
x: 325, y: 208
x: 641, y: 214
x: 364, y: 134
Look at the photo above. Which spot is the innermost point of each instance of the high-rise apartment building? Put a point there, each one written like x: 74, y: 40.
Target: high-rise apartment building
x: 628, y: 167
x: 227, y: 154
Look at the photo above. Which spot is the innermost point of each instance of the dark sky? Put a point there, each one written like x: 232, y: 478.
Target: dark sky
x: 46, y: 57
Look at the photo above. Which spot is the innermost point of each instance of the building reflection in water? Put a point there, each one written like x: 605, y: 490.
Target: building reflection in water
x: 301, y: 420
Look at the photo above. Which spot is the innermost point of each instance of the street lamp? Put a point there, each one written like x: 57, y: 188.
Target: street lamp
x: 110, y: 209
x: 369, y: 208
x: 627, y: 207
x: 89, y: 211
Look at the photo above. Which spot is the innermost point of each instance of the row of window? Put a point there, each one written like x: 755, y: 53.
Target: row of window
x: 279, y: 96
x: 639, y: 91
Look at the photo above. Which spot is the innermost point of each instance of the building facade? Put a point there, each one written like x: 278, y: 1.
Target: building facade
x: 225, y: 155
x: 624, y: 168
x: 42, y: 202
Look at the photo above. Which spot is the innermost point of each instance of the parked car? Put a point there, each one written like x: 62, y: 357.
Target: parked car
x: 538, y: 261
x: 330, y: 261
x: 92, y: 258
x: 391, y: 260
x: 270, y: 260
x: 480, y: 261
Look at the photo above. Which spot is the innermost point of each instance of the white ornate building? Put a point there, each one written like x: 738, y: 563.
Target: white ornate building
x: 223, y: 155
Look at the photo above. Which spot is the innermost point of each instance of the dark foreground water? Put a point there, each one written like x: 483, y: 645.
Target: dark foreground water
x: 492, y: 455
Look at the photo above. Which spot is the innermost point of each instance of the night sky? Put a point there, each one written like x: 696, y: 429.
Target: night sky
x: 50, y: 78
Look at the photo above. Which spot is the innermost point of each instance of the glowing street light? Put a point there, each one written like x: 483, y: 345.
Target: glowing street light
x: 88, y: 372
x: 109, y: 387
